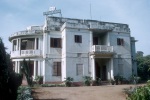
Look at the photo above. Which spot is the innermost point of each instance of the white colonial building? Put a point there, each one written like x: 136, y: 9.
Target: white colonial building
x: 66, y: 47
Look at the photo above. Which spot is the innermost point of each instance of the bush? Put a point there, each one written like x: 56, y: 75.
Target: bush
x: 39, y: 79
x: 68, y: 81
x: 134, y: 79
x: 118, y: 79
x: 24, y: 93
x: 87, y: 80
x: 139, y: 93
x: 53, y: 85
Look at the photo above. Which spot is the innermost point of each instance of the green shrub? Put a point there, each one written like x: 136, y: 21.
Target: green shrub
x: 24, y: 93
x: 87, y: 80
x: 68, y: 81
x: 25, y: 69
x: 53, y: 85
x: 39, y: 79
x: 134, y: 79
x: 139, y: 93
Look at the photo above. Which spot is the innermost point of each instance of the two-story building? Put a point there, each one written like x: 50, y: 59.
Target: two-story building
x: 66, y: 47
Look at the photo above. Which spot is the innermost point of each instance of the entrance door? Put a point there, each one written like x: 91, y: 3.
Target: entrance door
x: 97, y: 68
x: 104, y: 76
x: 95, y: 40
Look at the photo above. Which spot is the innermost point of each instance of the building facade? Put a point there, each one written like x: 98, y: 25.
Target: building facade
x: 66, y: 47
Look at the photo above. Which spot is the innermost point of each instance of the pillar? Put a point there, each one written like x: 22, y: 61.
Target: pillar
x: 35, y: 44
x: 18, y: 66
x: 111, y: 69
x: 34, y: 72
x: 93, y: 68
x: 44, y: 64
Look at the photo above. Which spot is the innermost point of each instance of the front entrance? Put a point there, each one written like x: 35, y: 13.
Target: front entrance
x: 101, y: 68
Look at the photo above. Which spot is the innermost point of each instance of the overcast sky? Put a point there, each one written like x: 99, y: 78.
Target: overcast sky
x: 16, y: 15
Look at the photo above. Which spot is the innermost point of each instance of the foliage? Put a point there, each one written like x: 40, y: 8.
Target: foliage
x: 98, y: 81
x: 24, y: 93
x: 68, y: 81
x: 4, y: 74
x: 9, y: 80
x: 39, y: 79
x: 139, y: 93
x: 25, y: 68
x: 87, y: 80
x: 112, y: 81
x: 53, y: 85
x: 15, y: 81
x: 143, y: 66
x: 118, y: 78
x: 134, y: 79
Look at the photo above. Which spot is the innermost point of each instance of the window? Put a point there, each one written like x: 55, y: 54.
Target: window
x: 27, y: 44
x: 57, y: 69
x: 56, y: 42
x: 78, y: 39
x: 79, y: 69
x: 120, y: 69
x: 120, y: 41
x: 14, y: 45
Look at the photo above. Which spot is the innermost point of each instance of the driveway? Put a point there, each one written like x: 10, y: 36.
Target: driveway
x: 104, y: 92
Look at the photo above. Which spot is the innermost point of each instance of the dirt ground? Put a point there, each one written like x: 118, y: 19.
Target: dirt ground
x: 104, y: 92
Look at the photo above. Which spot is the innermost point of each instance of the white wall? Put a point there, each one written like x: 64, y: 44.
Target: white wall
x: 124, y: 51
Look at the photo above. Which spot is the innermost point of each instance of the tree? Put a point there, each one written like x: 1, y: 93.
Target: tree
x: 4, y: 90
x: 9, y: 80
x: 25, y: 68
x: 143, y: 63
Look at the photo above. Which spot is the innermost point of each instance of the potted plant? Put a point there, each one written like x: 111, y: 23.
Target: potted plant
x: 112, y: 81
x: 118, y: 79
x: 68, y: 81
x: 87, y: 80
x: 98, y: 81
x: 39, y: 79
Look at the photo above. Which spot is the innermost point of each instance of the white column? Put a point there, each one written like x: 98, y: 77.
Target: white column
x: 35, y: 43
x: 45, y: 46
x: 111, y: 69
x: 34, y: 73
x: 44, y: 64
x: 17, y: 45
x: 93, y: 68
x: 12, y: 45
x: 91, y: 40
x: 18, y: 66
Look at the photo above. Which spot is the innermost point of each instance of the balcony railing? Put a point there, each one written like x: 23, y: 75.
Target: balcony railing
x: 30, y: 30
x: 23, y: 53
x: 30, y: 53
x: 102, y: 48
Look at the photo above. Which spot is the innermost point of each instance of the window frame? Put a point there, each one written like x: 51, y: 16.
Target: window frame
x: 55, y: 42
x: 78, y: 38
x: 56, y: 68
x: 120, y: 41
x: 78, y: 68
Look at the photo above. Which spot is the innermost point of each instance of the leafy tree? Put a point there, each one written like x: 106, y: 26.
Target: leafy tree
x: 9, y: 80
x: 26, y: 71
x: 143, y: 68
x: 4, y: 74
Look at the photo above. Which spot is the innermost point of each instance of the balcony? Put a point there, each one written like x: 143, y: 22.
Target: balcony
x: 102, y: 50
x: 26, y: 53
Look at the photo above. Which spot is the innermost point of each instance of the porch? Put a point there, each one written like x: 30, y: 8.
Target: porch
x: 102, y: 68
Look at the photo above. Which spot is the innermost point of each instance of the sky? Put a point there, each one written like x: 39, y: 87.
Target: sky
x: 16, y: 15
